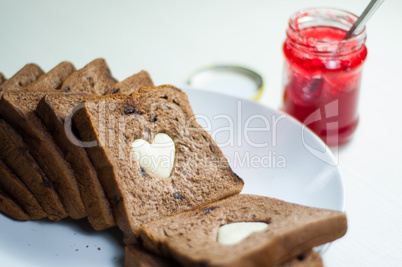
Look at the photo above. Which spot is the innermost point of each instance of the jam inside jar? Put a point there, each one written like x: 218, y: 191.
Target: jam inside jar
x: 322, y: 72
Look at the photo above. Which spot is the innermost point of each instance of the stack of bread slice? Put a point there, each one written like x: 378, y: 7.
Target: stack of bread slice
x: 78, y: 143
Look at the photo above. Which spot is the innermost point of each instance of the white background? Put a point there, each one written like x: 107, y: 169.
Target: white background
x: 171, y: 39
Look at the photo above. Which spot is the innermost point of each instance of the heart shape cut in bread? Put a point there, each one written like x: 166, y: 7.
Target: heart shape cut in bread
x: 156, y: 158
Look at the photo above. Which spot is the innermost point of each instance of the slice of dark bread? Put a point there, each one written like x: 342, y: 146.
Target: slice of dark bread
x: 14, y: 187
x: 94, y: 78
x: 18, y: 108
x: 200, y: 175
x: 14, y: 152
x: 138, y: 256
x: 12, y: 209
x: 2, y: 78
x: 132, y: 83
x: 55, y: 77
x: 191, y: 237
x: 28, y: 74
x: 53, y: 110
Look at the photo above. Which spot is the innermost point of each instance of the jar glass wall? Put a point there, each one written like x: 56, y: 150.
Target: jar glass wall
x: 322, y: 72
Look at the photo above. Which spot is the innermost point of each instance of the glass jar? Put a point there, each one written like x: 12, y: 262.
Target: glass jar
x: 322, y: 72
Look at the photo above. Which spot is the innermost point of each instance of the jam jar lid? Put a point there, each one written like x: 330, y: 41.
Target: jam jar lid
x: 229, y: 79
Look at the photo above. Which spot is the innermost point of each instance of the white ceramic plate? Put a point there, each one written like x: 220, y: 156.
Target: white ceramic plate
x: 271, y: 151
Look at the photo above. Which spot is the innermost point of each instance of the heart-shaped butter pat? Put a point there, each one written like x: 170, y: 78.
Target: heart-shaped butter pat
x: 233, y: 233
x: 158, y: 157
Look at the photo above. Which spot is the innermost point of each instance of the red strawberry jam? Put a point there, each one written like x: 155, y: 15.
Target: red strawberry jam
x: 323, y: 73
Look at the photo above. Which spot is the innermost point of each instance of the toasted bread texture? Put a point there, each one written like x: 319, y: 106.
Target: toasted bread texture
x: 191, y: 237
x: 94, y: 78
x: 18, y: 108
x: 200, y: 174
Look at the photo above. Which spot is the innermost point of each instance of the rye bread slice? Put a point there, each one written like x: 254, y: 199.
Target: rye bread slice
x: 10, y: 208
x: 138, y: 256
x: 25, y: 76
x: 14, y: 152
x: 201, y: 173
x: 191, y: 237
x: 132, y: 83
x: 14, y: 187
x: 55, y: 77
x: 53, y: 110
x: 18, y: 108
x: 94, y: 78
x: 2, y: 78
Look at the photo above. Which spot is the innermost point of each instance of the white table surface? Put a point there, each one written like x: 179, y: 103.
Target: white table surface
x: 171, y: 39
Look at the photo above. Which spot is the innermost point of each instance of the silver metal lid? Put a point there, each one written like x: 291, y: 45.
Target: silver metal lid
x: 233, y: 80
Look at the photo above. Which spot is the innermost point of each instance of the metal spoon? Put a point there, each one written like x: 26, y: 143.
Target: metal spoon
x: 364, y: 17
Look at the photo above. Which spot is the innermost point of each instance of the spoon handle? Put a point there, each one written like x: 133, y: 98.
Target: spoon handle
x: 364, y: 17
